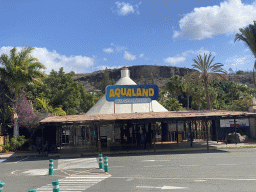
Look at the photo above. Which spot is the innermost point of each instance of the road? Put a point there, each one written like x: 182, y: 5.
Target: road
x: 228, y: 170
x: 231, y: 170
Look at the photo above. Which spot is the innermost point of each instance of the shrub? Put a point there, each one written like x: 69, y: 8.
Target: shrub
x: 14, y: 144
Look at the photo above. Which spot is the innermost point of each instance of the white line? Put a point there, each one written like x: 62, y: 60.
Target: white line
x: 147, y: 187
x: 78, y: 182
x: 116, y: 166
x: 154, y: 166
x: 78, y: 159
x: 188, y: 165
x: 86, y: 180
x: 38, y: 190
x: 22, y: 159
x: 200, y: 180
x: 228, y: 179
x: 81, y: 176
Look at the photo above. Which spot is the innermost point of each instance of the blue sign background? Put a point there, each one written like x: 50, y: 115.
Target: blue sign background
x: 114, y: 92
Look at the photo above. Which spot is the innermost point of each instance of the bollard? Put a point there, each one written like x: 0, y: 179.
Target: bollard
x: 56, y: 186
x: 32, y: 190
x: 51, y: 167
x: 100, y: 161
x: 1, y: 186
x: 106, y: 164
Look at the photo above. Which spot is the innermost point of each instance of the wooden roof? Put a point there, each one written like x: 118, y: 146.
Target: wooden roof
x: 149, y: 116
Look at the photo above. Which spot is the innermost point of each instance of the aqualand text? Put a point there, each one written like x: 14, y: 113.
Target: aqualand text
x: 129, y: 92
x: 114, y: 92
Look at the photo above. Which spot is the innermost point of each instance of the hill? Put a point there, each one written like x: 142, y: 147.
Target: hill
x: 149, y: 74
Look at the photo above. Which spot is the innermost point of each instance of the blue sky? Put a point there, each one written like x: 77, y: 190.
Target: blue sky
x: 90, y: 35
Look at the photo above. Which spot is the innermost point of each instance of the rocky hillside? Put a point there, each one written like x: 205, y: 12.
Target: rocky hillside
x: 142, y: 74
x: 148, y: 74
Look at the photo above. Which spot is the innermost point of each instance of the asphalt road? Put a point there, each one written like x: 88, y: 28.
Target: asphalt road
x: 232, y: 170
x: 228, y: 170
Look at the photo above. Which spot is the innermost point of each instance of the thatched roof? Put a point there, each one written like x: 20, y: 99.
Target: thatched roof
x: 149, y: 116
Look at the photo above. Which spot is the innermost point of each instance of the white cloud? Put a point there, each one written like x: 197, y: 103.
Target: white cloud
x: 103, y: 67
x: 246, y: 61
x: 105, y: 59
x: 108, y: 50
x: 120, y: 48
x: 129, y: 56
x: 201, y: 51
x: 179, y: 58
x: 54, y: 60
x: 141, y: 55
x: 174, y: 60
x: 205, y: 22
x: 126, y: 8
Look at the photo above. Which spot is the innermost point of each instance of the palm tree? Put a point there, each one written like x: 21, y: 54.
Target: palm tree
x: 207, y: 72
x: 248, y: 35
x: 18, y: 70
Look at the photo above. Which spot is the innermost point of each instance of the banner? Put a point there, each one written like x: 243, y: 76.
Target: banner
x: 114, y: 92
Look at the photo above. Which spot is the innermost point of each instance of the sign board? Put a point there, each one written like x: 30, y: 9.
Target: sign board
x: 231, y: 123
x: 114, y: 92
x: 132, y: 101
x: 172, y: 126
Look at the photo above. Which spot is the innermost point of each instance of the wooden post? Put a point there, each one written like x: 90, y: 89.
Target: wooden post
x: 43, y: 142
x: 191, y: 137
x: 154, y: 136
x: 177, y: 133
x: 207, y: 136
x: 61, y: 133
x: 195, y: 129
x: 235, y: 129
x: 99, y: 142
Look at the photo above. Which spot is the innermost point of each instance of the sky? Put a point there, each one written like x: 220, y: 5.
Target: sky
x: 89, y: 35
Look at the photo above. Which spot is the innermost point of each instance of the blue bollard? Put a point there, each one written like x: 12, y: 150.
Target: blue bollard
x: 106, y: 164
x: 100, y: 161
x: 51, y: 167
x: 1, y: 186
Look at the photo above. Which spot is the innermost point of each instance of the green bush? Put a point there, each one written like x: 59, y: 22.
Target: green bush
x: 14, y: 144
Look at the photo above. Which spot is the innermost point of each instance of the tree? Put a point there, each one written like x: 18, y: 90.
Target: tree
x: 248, y: 35
x: 105, y: 81
x: 188, y: 88
x: 18, y: 70
x: 198, y: 95
x: 172, y: 104
x: 62, y: 91
x: 175, y: 86
x: 207, y: 72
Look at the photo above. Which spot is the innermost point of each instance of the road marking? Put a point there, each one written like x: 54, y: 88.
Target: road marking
x: 226, y: 164
x: 168, y: 178
x: 154, y: 160
x: 200, y: 180
x: 188, y: 165
x: 164, y: 187
x: 154, y: 166
x: 116, y: 166
x: 77, y: 163
x: 75, y: 183
x: 37, y: 172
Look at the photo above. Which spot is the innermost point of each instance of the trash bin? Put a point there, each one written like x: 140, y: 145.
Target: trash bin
x: 104, y: 141
x: 180, y: 137
x: 191, y: 136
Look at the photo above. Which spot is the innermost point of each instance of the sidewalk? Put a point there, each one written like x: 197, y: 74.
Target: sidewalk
x: 160, y: 147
